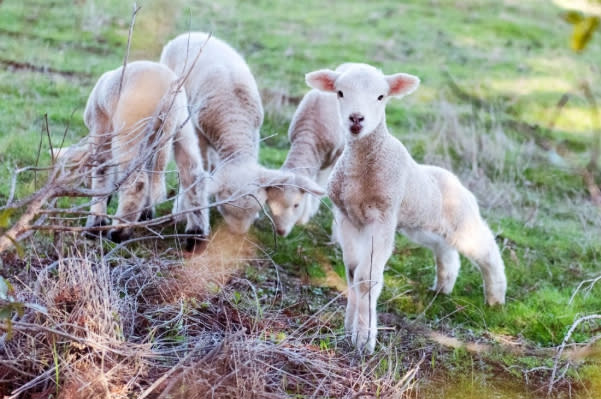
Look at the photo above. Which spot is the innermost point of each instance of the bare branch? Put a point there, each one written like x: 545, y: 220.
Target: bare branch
x: 562, y: 347
x: 129, y: 35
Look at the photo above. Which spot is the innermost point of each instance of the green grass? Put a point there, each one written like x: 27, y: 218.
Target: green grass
x: 513, y: 55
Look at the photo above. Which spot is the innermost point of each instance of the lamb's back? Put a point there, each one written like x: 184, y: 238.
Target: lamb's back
x: 458, y: 204
x: 222, y: 92
x: 128, y: 98
x: 317, y: 119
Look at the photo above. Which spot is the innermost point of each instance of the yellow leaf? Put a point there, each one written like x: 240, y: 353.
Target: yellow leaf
x: 5, y: 217
x: 572, y: 17
x: 582, y: 33
x: 18, y: 247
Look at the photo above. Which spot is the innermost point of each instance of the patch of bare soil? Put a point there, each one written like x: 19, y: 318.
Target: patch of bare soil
x: 225, y: 254
x: 17, y: 66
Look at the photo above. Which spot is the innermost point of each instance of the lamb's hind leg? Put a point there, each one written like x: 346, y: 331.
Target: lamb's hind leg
x: 447, y: 268
x: 447, y: 259
x: 478, y: 244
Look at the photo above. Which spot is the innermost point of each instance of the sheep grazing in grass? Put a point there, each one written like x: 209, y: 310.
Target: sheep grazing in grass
x: 316, y: 144
x: 377, y: 188
x: 225, y: 107
x: 136, y: 119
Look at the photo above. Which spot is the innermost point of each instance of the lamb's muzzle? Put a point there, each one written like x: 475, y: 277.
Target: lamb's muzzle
x: 356, y: 119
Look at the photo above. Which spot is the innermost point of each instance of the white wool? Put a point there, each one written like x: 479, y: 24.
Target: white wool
x: 124, y: 124
x: 377, y: 189
x: 226, y: 110
x: 316, y: 141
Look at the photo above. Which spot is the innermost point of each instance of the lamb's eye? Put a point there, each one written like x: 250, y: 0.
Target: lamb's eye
x: 340, y: 94
x: 381, y: 97
x: 296, y: 205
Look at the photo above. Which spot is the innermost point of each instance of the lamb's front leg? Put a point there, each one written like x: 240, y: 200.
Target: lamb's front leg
x: 349, y: 238
x: 103, y: 176
x: 194, y: 195
x: 377, y: 243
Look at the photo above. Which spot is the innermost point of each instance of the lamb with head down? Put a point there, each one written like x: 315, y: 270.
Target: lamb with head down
x: 137, y: 117
x: 316, y: 142
x: 226, y: 109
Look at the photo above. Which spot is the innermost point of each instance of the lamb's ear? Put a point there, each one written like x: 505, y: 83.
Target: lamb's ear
x: 322, y: 80
x: 402, y: 84
x: 308, y: 186
x: 274, y: 178
x: 277, y: 178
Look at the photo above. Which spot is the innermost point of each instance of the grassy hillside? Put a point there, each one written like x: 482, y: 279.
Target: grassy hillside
x: 492, y: 73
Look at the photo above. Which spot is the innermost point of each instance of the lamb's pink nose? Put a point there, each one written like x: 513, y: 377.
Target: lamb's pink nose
x: 356, y: 118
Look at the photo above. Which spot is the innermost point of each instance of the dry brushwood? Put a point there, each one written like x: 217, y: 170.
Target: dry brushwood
x: 126, y: 330
x: 74, y: 169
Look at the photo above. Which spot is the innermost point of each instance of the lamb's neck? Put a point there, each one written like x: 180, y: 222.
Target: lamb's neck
x: 368, y: 147
x: 303, y: 158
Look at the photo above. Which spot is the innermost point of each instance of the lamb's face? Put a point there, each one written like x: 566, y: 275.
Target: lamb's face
x: 363, y: 92
x: 287, y: 205
x: 243, y: 189
x: 362, y: 96
x: 243, y: 198
x: 239, y: 214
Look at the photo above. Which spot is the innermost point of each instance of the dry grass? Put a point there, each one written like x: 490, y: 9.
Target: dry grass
x: 479, y: 155
x: 113, y: 327
x: 492, y: 164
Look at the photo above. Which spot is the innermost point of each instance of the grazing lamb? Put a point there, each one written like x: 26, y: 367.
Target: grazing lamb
x: 316, y: 144
x: 377, y: 188
x: 226, y: 110
x: 147, y: 118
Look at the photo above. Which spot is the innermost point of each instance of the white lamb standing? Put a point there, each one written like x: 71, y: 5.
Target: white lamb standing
x: 226, y: 110
x: 377, y: 188
x: 316, y: 141
x: 146, y: 117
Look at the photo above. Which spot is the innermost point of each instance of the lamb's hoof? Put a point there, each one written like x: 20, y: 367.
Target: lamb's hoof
x: 495, y: 294
x: 493, y: 301
x: 441, y: 290
x: 118, y: 235
x: 364, y: 342
x: 93, y: 235
x: 198, y: 243
x: 147, y: 214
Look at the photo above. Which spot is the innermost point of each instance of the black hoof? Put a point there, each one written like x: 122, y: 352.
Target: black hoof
x: 118, y: 236
x: 92, y: 235
x: 147, y: 214
x: 198, y: 243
